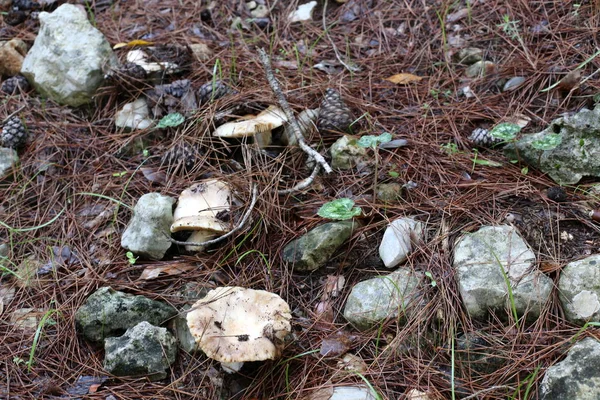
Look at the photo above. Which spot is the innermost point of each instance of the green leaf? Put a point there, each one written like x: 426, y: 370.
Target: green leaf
x: 373, y: 141
x: 339, y: 209
x: 393, y: 174
x: 525, y: 170
x: 548, y: 142
x: 505, y: 131
x: 171, y: 120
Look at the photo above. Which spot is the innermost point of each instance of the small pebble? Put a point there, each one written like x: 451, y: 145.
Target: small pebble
x: 558, y: 194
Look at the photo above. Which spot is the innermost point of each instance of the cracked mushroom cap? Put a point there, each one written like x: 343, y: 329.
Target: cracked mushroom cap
x: 199, y: 206
x: 234, y: 324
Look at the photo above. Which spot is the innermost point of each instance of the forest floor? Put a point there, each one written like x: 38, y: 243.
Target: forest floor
x: 75, y: 164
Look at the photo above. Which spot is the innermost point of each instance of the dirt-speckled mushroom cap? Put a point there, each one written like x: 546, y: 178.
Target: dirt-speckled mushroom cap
x: 234, y: 324
x: 199, y: 205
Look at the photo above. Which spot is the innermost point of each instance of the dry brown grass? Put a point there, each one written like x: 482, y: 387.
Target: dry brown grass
x: 77, y: 151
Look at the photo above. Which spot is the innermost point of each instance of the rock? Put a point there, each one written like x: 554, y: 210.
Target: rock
x: 398, y: 240
x: 389, y: 192
x: 148, y: 232
x: 579, y: 290
x: 8, y: 161
x: 312, y: 250
x: 481, y: 69
x: 12, y: 54
x: 469, y: 55
x: 143, y: 350
x: 475, y: 355
x: 513, y: 83
x: 577, y: 155
x: 346, y: 153
x: 359, y: 392
x: 201, y: 51
x: 108, y: 312
x: 375, y: 300
x: 478, y: 258
x: 134, y: 115
x: 68, y: 57
x: 304, y: 12
x: 577, y: 376
x: 186, y: 340
x: 415, y: 394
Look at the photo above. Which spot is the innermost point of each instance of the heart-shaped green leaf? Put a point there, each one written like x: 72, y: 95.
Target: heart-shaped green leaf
x: 547, y: 142
x: 505, y: 131
x: 171, y: 120
x: 339, y: 209
x: 373, y: 141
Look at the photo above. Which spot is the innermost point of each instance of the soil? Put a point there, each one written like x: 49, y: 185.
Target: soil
x: 77, y: 164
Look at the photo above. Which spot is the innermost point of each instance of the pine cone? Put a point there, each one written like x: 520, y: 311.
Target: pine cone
x: 15, y: 83
x: 177, y: 88
x: 181, y: 155
x: 14, y: 134
x: 213, y: 90
x: 334, y: 114
x: 173, y: 97
x: 25, y: 5
x: 481, y: 137
x: 128, y: 76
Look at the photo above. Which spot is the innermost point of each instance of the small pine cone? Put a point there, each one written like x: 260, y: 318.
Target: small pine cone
x: 25, y: 5
x: 182, y: 155
x: 481, y: 137
x: 15, y: 83
x: 213, y: 90
x: 14, y: 134
x: 131, y: 71
x: 334, y: 114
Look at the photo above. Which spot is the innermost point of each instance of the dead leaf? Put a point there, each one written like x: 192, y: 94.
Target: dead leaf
x: 324, y: 311
x: 457, y: 16
x: 154, y: 175
x: 285, y: 64
x: 403, y: 78
x: 333, y: 286
x: 570, y: 80
x: 86, y: 385
x: 352, y: 363
x: 133, y: 43
x: 336, y: 345
x: 330, y: 67
x: 153, y: 271
x: 6, y: 296
x: 25, y: 318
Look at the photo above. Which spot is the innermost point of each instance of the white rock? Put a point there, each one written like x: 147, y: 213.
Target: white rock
x: 585, y: 303
x: 134, y: 115
x: 303, y: 12
x: 352, y: 393
x: 398, y: 239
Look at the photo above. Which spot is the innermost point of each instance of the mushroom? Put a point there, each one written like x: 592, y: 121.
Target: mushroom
x: 233, y: 324
x: 257, y: 126
x: 200, y: 209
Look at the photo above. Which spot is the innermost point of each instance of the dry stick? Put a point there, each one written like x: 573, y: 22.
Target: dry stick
x: 231, y: 232
x: 303, y: 184
x: 351, y: 68
x: 13, y: 113
x: 266, y: 61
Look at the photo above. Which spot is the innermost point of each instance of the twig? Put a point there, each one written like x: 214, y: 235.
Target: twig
x: 231, y: 232
x: 479, y: 393
x: 264, y: 58
x: 351, y: 68
x: 304, y: 183
x: 13, y: 113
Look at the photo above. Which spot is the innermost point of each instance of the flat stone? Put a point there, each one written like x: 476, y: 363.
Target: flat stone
x: 149, y: 230
x: 346, y: 153
x: 579, y: 290
x: 314, y: 249
x: 375, y: 300
x: 144, y: 350
x: 108, y: 312
x: 577, y: 376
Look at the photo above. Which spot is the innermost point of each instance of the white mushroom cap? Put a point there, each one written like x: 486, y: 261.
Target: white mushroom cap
x: 234, y: 324
x: 267, y: 120
x: 199, y: 205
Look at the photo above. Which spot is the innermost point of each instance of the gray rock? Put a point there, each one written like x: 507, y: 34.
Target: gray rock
x: 389, y: 192
x: 148, y: 232
x: 375, y: 300
x: 577, y: 376
x: 346, y: 153
x: 469, y: 55
x: 475, y: 354
x: 108, y: 312
x: 186, y: 340
x: 8, y: 161
x: 144, y: 350
x: 478, y: 259
x: 577, y: 155
x: 68, y: 58
x: 579, y: 290
x: 312, y: 250
x: 398, y: 239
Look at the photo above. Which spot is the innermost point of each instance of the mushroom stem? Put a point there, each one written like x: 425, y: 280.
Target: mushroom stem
x: 231, y: 232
